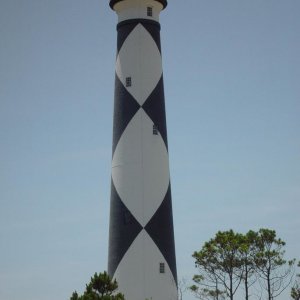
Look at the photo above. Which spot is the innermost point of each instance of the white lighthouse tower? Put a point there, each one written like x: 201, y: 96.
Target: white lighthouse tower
x: 141, y: 235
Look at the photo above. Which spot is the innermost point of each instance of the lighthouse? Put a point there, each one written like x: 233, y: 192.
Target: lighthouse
x: 141, y: 235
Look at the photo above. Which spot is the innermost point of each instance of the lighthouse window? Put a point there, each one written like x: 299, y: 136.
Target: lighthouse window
x: 155, y: 129
x: 128, y: 81
x: 161, y: 268
x: 149, y: 11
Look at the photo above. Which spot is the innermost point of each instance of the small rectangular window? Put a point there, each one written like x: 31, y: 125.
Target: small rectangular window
x: 128, y: 81
x: 161, y: 268
x: 155, y: 129
x: 149, y: 11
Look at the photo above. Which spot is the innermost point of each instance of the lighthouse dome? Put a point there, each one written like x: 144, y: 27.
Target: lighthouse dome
x: 113, y: 2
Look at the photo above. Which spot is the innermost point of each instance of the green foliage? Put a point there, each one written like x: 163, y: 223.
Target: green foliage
x: 295, y: 291
x: 248, y: 250
x: 100, y: 287
x: 273, y: 270
x: 219, y: 263
x: 231, y: 258
x: 74, y: 296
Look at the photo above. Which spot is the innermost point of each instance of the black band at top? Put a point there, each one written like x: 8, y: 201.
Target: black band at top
x: 113, y: 2
x: 136, y: 21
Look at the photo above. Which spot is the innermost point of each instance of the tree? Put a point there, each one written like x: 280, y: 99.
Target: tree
x: 219, y: 263
x: 274, y: 271
x: 207, y: 287
x: 101, y: 287
x: 295, y: 292
x: 248, y: 251
x: 254, y: 258
x: 74, y: 296
x: 182, y: 287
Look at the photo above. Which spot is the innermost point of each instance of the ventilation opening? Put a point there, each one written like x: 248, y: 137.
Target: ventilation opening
x: 155, y: 130
x: 128, y: 81
x: 149, y: 11
x: 161, y: 268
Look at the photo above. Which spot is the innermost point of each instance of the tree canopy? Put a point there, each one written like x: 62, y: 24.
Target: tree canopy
x: 273, y: 269
x: 295, y: 291
x: 220, y: 258
x: 230, y: 258
x: 100, y: 287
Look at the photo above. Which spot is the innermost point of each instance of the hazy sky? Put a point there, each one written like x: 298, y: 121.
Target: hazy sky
x: 231, y: 73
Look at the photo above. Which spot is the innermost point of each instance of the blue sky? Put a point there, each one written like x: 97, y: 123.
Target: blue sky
x: 231, y: 73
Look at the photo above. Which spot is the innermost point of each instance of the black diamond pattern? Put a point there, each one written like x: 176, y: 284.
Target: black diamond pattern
x: 123, y: 33
x: 153, y: 28
x: 160, y: 229
x: 123, y: 229
x: 154, y: 106
x: 125, y: 108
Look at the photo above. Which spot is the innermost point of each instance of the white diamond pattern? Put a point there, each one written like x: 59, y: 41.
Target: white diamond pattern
x: 142, y: 64
x: 140, y: 168
x: 138, y: 275
x: 140, y: 172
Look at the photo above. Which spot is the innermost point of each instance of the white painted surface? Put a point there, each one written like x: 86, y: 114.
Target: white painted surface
x: 140, y: 165
x: 140, y: 168
x: 138, y: 272
x: 140, y: 59
x: 137, y: 9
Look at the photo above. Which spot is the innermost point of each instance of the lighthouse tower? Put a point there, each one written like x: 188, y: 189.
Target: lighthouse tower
x: 141, y: 235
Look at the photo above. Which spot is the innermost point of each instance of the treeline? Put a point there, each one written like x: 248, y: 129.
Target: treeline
x: 253, y: 264
x: 255, y: 261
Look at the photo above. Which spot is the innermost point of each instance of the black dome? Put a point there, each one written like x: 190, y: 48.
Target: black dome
x: 113, y: 2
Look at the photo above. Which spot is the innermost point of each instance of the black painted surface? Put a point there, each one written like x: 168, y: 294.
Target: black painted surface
x: 160, y: 229
x: 154, y: 30
x: 154, y: 106
x: 123, y: 32
x: 123, y: 229
x: 125, y: 108
x: 113, y: 2
x: 138, y: 20
x: 124, y: 29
